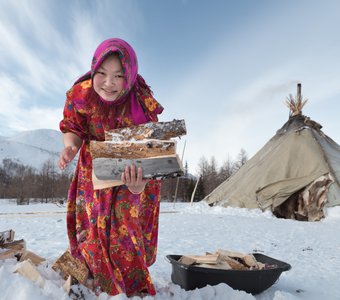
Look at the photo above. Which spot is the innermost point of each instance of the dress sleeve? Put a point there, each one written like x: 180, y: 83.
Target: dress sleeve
x: 74, y: 116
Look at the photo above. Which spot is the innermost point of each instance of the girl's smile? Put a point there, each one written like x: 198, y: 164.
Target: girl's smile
x: 108, y: 81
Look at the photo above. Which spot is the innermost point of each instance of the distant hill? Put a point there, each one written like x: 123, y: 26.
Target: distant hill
x: 32, y: 148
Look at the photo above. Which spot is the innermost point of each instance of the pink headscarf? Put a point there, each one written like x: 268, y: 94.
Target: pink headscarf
x: 134, y: 84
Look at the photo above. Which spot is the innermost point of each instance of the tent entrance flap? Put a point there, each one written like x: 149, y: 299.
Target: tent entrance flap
x: 278, y: 192
x: 307, y: 203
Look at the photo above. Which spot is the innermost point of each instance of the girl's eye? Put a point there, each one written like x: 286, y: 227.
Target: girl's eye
x: 100, y: 73
x: 119, y: 76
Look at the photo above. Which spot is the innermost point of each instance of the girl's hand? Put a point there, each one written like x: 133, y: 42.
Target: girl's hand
x: 134, y: 182
x: 66, y: 156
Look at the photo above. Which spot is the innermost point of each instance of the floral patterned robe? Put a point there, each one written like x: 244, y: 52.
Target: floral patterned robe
x: 112, y: 230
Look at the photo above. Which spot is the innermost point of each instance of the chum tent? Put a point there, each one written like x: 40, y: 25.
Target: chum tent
x: 295, y: 174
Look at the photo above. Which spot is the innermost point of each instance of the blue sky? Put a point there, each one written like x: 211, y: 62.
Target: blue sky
x: 226, y: 67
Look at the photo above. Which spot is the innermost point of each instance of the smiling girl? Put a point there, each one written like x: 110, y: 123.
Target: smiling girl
x: 113, y: 230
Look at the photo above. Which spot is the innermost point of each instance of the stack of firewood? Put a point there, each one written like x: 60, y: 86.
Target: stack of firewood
x: 16, y: 249
x: 70, y: 268
x: 149, y: 146
x: 224, y: 259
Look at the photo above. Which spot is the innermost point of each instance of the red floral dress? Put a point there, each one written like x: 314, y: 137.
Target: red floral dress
x: 112, y: 230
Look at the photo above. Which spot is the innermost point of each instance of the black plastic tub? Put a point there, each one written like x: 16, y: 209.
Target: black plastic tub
x: 250, y: 281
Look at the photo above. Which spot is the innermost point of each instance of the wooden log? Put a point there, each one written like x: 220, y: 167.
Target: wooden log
x: 142, y: 149
x: 203, y: 259
x: 234, y: 264
x: 8, y: 254
x: 12, y: 249
x: 18, y: 245
x: 103, y: 184
x: 231, y: 253
x: 251, y: 261
x: 6, y: 236
x: 238, y: 260
x: 151, y: 130
x: 28, y: 270
x: 34, y: 258
x: 67, y: 285
x: 225, y: 260
x: 261, y: 266
x: 223, y: 265
x: 71, y: 266
x: 185, y: 260
x: 153, y: 168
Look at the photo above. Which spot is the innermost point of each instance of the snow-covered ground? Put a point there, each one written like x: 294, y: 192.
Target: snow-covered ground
x: 312, y: 249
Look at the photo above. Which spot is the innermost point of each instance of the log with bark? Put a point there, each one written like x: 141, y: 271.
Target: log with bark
x: 6, y: 236
x: 153, y: 168
x: 32, y: 257
x: 151, y: 130
x: 12, y: 249
x: 71, y: 266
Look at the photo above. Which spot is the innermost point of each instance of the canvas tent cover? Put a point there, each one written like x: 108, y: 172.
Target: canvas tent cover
x: 298, y: 154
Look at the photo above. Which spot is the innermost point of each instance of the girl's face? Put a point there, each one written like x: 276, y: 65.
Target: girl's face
x: 108, y: 80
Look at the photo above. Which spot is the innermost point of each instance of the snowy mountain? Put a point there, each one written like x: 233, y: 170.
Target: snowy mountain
x: 32, y: 148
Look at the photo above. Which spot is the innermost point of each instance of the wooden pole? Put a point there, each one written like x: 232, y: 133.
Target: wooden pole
x: 298, y: 95
x: 177, y: 182
x: 194, y: 191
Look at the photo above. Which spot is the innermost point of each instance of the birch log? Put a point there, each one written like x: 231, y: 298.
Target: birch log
x: 151, y: 130
x: 153, y: 168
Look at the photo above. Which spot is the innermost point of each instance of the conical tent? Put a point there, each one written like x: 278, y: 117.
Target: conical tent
x: 295, y: 174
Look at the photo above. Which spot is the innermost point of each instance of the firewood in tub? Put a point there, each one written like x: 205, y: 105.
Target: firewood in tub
x: 185, y: 260
x: 200, y: 259
x: 222, y: 265
x: 234, y: 264
x: 246, y: 259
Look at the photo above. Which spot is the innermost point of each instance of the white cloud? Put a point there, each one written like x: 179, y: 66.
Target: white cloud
x: 37, y: 118
x: 11, y: 94
x: 41, y: 61
x: 13, y: 114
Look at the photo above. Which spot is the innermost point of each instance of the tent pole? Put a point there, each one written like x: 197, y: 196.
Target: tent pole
x: 193, y: 193
x: 298, y: 95
x: 177, y: 182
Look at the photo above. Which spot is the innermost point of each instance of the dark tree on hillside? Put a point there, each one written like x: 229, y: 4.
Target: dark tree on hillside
x: 24, y: 183
x: 200, y: 192
x: 226, y: 170
x: 4, y: 182
x: 242, y: 158
x: 211, y: 180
